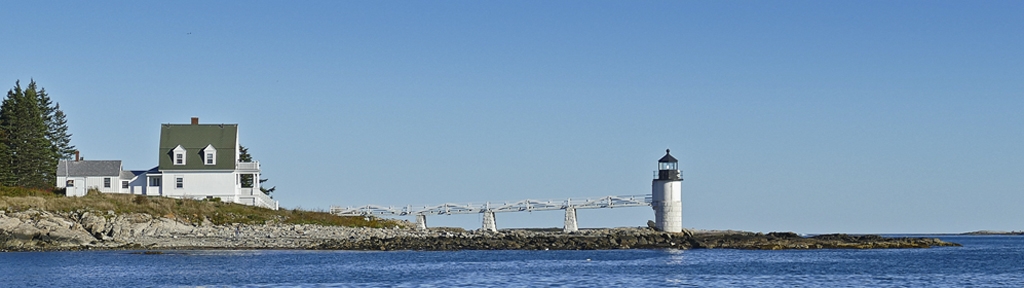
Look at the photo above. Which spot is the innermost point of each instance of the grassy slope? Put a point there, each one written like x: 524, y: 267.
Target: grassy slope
x: 192, y: 211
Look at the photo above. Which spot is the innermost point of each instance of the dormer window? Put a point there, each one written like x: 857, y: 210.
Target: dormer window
x: 210, y: 155
x: 179, y: 155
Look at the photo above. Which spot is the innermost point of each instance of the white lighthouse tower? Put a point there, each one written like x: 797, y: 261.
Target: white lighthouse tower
x: 666, y: 194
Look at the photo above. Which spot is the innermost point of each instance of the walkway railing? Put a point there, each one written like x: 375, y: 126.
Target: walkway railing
x: 517, y: 206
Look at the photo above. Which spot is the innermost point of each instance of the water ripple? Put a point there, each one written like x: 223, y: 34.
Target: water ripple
x: 984, y: 261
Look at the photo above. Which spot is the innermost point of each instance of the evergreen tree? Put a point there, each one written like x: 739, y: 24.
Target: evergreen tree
x: 57, y: 133
x: 6, y: 175
x: 244, y: 156
x: 265, y: 189
x: 32, y: 161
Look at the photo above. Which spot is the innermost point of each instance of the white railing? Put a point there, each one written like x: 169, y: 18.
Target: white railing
x: 517, y: 206
x: 259, y: 198
x: 265, y: 200
x: 250, y: 166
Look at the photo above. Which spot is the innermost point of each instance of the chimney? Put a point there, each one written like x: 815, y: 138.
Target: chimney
x: 78, y: 156
x: 195, y: 120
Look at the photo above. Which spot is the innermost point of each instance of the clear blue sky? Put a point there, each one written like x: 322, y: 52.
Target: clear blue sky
x: 806, y: 116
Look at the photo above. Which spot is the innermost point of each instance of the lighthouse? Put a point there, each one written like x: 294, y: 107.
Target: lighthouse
x: 666, y: 195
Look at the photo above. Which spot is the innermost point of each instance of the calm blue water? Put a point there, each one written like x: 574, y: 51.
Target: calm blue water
x: 984, y: 261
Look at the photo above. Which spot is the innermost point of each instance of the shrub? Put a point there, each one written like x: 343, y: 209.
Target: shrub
x: 21, y: 192
x: 140, y: 200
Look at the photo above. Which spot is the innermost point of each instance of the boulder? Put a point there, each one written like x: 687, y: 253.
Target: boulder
x: 41, y: 230
x: 95, y: 224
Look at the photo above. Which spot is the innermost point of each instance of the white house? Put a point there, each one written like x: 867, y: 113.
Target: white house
x: 78, y: 176
x: 196, y: 161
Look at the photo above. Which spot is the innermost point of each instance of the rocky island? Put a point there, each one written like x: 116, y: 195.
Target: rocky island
x: 41, y: 221
x: 36, y: 230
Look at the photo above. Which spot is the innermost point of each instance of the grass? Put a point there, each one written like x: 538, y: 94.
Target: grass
x: 192, y: 211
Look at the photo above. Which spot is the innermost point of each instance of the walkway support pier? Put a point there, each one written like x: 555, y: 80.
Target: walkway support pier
x: 421, y: 222
x: 489, y: 222
x: 570, y: 220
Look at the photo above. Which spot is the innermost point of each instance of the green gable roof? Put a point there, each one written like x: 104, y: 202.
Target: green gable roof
x: 194, y: 138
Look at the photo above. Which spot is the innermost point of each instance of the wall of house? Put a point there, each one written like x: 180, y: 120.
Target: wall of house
x: 97, y: 183
x: 138, y: 186
x: 77, y: 191
x: 123, y: 190
x: 92, y: 182
x: 62, y: 181
x: 153, y: 190
x: 201, y: 184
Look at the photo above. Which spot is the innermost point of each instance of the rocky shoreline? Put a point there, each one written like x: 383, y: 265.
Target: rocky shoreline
x: 35, y: 230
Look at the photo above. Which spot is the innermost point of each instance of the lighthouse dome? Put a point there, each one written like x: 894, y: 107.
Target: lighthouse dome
x: 668, y: 157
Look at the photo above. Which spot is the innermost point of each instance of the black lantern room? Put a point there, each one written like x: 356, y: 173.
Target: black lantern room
x: 668, y: 167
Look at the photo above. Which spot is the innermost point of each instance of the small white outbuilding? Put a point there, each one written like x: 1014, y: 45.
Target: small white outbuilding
x: 78, y: 176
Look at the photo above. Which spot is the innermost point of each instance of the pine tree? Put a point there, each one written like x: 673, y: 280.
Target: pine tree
x: 243, y: 156
x: 247, y: 179
x: 57, y: 133
x: 23, y: 120
x: 6, y: 175
x: 265, y: 189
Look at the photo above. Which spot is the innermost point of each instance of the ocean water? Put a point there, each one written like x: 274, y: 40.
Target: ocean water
x: 984, y: 261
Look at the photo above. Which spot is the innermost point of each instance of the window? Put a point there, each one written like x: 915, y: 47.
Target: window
x: 179, y: 155
x: 154, y: 181
x: 106, y: 182
x: 179, y: 182
x: 71, y: 183
x: 209, y: 155
x: 124, y: 184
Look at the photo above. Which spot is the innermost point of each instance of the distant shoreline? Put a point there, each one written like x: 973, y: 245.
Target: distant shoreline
x: 989, y: 232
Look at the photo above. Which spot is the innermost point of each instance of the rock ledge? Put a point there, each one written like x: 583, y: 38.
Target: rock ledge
x: 35, y: 230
